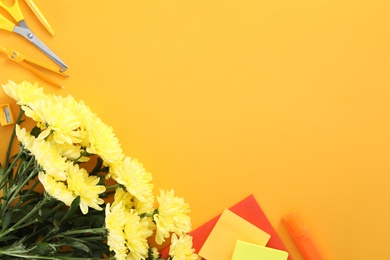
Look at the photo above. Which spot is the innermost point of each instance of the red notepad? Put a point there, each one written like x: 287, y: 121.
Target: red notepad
x: 249, y: 210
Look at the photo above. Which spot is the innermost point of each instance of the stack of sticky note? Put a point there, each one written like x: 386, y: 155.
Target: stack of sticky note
x: 242, y: 232
x: 234, y: 238
x: 249, y: 251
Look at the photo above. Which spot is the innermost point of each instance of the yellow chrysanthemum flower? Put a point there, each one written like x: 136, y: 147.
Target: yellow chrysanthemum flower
x: 49, y: 158
x: 131, y: 174
x: 78, y: 110
x: 123, y: 197
x: 56, y: 189
x: 154, y: 254
x: 172, y: 216
x: 116, y: 217
x: 102, y: 141
x: 181, y: 248
x: 145, y: 206
x: 86, y: 116
x: 55, y: 119
x: 128, y: 202
x: 85, y: 186
x: 136, y: 233
x: 24, y: 92
x: 71, y: 152
x: 127, y: 231
x: 24, y: 137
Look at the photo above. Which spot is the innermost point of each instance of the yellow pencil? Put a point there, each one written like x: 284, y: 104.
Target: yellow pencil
x: 40, y: 16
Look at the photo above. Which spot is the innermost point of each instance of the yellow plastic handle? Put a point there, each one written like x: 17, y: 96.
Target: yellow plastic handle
x: 3, y: 50
x: 13, y: 10
x: 6, y: 24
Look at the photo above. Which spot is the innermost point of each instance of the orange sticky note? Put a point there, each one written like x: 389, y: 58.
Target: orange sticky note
x: 230, y: 228
x: 249, y: 251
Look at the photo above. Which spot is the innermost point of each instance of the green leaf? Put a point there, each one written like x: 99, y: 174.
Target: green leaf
x: 8, y: 238
x: 45, y: 248
x: 27, y: 195
x: 6, y: 221
x: 76, y: 244
x: 98, y: 166
x: 35, y: 131
x: 84, y: 231
x: 98, y: 221
x: 72, y: 209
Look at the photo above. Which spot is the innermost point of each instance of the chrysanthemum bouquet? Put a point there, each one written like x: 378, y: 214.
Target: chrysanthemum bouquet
x: 53, y: 192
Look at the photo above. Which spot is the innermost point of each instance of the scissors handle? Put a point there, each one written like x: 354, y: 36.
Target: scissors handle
x: 5, y: 24
x: 13, y: 10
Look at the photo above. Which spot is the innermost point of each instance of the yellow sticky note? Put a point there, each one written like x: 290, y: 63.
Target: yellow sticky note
x: 230, y: 228
x: 249, y: 251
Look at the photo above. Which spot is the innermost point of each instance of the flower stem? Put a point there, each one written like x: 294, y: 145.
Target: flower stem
x: 8, y: 152
x: 21, y: 221
x: 109, y: 188
x: 26, y: 256
x: 16, y: 190
x: 8, y: 170
x: 83, y: 231
x: 31, y: 189
x: 77, y: 232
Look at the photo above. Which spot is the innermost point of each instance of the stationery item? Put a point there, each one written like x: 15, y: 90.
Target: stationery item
x: 249, y: 210
x: 249, y: 251
x: 230, y: 227
x: 26, y: 61
x: 40, y: 16
x: 24, y: 31
x: 301, y: 236
x: 6, y: 117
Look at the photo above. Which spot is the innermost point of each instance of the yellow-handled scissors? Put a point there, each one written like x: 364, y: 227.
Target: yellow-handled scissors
x: 23, y: 30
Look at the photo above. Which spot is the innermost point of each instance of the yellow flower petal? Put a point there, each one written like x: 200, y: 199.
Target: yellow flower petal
x: 131, y: 174
x: 102, y: 141
x: 181, y: 248
x: 50, y: 159
x: 56, y: 189
x: 24, y: 92
x: 86, y: 187
x: 172, y: 216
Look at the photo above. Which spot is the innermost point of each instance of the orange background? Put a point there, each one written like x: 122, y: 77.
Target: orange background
x: 219, y: 99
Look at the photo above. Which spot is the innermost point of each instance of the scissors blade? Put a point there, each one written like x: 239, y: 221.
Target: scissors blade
x: 26, y: 33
